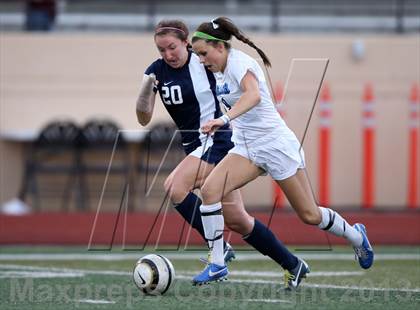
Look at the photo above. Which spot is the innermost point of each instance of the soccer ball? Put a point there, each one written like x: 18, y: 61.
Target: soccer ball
x: 153, y: 274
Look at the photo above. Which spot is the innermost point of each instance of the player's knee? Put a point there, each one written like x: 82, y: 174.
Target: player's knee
x: 168, y: 184
x: 211, y: 193
x: 176, y: 190
x: 310, y: 217
x: 232, y: 224
x: 238, y: 225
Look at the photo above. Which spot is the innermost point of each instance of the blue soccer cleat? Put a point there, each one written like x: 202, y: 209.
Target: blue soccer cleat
x: 212, y: 273
x: 228, y: 255
x: 364, y: 253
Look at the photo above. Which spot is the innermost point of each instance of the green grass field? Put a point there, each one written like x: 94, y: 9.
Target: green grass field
x: 72, y: 278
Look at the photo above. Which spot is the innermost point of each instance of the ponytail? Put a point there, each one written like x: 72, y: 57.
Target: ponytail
x: 222, y: 29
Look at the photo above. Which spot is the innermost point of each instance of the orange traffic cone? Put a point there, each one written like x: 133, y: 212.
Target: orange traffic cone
x: 413, y: 160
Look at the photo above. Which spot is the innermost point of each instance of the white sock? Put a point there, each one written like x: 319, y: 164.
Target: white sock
x: 335, y: 224
x: 213, y: 224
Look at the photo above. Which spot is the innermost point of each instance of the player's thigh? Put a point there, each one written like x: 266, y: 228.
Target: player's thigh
x: 190, y: 173
x: 231, y: 173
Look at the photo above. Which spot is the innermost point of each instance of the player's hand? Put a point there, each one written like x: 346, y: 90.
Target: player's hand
x: 211, y: 126
x: 153, y: 78
x: 143, y: 104
x: 149, y: 79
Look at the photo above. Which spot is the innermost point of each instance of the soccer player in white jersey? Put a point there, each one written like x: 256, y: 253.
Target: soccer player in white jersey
x: 188, y: 92
x: 263, y: 143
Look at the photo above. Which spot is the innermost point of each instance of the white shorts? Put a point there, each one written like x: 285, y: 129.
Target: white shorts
x: 200, y: 150
x: 280, y: 157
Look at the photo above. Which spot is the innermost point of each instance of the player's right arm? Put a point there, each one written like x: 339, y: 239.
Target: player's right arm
x: 146, y: 99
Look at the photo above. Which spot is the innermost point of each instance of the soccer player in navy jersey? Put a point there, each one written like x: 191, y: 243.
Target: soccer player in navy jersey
x: 188, y: 92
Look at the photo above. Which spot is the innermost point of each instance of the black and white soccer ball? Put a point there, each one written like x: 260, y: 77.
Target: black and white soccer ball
x: 153, y: 274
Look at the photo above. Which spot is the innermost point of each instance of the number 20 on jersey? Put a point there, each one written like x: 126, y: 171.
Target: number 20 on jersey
x: 172, y: 94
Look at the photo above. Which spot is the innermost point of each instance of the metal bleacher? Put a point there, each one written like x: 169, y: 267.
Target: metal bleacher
x: 255, y: 15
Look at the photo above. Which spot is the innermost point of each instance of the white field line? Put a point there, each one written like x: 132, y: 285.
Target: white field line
x: 363, y: 288
x: 340, y: 287
x: 279, y: 274
x: 83, y: 272
x: 186, y: 255
x: 38, y: 274
x: 93, y: 301
x: 185, y: 275
x: 269, y: 300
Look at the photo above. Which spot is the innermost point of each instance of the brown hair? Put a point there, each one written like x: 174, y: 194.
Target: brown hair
x: 175, y: 27
x: 223, y: 28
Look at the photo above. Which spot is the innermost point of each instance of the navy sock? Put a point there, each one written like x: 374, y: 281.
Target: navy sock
x: 264, y: 241
x: 189, y: 208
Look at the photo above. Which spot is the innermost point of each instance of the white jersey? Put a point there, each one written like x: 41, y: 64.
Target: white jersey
x: 262, y: 120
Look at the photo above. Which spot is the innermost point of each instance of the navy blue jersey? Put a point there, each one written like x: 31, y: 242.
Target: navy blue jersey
x: 188, y: 94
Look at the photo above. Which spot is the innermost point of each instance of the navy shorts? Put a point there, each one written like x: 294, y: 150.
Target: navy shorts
x: 222, y: 143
